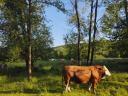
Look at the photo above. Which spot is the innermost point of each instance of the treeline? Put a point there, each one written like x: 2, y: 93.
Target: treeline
x: 104, y: 49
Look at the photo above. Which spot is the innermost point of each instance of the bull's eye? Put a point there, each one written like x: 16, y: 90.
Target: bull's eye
x: 99, y: 68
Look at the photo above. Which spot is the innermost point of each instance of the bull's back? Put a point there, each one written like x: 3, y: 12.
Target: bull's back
x: 76, y: 68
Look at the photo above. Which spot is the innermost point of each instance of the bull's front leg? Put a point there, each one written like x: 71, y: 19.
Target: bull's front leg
x: 94, y: 86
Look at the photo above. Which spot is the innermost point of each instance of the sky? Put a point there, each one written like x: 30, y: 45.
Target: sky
x: 59, y: 22
x: 59, y: 26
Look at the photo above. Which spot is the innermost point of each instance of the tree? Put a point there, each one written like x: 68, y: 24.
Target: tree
x: 78, y: 29
x: 94, y: 34
x: 90, y: 29
x: 126, y: 13
x: 71, y: 42
x: 103, y: 48
x: 77, y: 24
x: 20, y: 19
x: 80, y: 26
x: 29, y: 34
x: 42, y: 43
x: 71, y: 45
x: 114, y: 24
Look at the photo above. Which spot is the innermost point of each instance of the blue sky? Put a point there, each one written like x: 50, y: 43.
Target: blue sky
x: 59, y: 26
x: 58, y: 22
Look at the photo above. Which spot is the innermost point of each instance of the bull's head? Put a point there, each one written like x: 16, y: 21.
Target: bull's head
x: 107, y: 72
x: 103, y: 70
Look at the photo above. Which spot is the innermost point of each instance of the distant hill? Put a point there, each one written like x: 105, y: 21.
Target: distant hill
x: 61, y: 49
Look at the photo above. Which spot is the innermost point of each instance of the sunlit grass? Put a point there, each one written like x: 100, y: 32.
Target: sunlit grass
x: 47, y: 81
x: 50, y: 85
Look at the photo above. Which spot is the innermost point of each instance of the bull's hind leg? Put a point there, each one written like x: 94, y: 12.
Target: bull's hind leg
x: 90, y: 86
x: 67, y: 81
x: 67, y: 89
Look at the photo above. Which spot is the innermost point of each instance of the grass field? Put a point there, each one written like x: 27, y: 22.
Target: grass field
x: 46, y: 81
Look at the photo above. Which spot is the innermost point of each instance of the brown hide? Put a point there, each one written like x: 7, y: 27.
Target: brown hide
x: 82, y: 74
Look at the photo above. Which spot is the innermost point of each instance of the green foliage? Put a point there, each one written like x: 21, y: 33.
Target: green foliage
x: 83, y: 51
x: 3, y: 54
x: 59, y: 52
x: 103, y: 47
x: 14, y: 23
x: 71, y: 45
x: 42, y: 43
x: 14, y: 53
x: 115, y: 25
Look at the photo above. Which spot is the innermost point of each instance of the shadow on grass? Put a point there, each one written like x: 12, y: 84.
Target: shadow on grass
x: 55, y: 91
x: 15, y: 91
x: 15, y: 71
x: 29, y: 91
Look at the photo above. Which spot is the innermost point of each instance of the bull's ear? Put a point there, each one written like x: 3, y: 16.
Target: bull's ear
x: 99, y: 67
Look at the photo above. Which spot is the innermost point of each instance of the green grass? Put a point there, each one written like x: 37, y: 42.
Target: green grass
x: 46, y: 81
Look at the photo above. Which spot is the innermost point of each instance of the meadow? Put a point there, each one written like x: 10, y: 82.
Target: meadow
x: 47, y: 80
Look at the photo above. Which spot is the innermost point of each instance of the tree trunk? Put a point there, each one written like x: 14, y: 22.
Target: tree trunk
x: 126, y: 12
x: 94, y: 34
x: 78, y: 29
x: 90, y: 29
x: 29, y: 44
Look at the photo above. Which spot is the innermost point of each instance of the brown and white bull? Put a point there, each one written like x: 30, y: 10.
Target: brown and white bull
x: 84, y: 74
